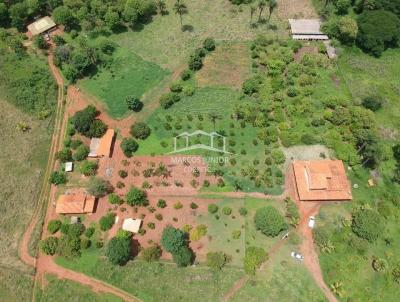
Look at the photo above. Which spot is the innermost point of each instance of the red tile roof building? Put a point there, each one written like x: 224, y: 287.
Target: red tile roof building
x: 321, y: 180
x: 75, y: 203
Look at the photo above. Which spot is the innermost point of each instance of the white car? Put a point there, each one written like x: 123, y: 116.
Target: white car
x: 311, y: 222
x: 297, y: 256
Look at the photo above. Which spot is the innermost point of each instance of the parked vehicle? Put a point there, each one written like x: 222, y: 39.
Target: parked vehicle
x: 311, y: 222
x: 297, y: 256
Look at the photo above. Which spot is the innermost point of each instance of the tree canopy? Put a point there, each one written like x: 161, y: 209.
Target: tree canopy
x: 118, y: 250
x: 269, y: 221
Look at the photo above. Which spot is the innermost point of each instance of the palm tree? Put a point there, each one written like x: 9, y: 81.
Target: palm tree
x: 272, y: 4
x: 161, y: 6
x: 261, y: 6
x: 336, y: 288
x: 180, y: 9
x: 253, y: 9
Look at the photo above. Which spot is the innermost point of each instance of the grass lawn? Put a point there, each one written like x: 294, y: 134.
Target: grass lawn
x: 161, y: 41
x: 153, y: 282
x: 128, y: 75
x: 24, y: 157
x: 69, y: 291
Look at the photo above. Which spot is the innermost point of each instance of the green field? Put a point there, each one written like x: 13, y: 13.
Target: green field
x: 153, y: 282
x: 129, y: 75
x: 69, y: 291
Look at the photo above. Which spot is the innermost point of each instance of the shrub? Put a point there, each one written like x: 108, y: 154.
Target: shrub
x: 129, y: 146
x: 152, y: 253
x: 396, y: 273
x: 81, y: 153
x: 195, y: 62
x: 118, y: 250
x: 69, y: 246
x: 40, y: 42
x: 216, y: 260
x: 227, y: 210
x: 122, y: 173
x: 76, y: 229
x: 134, y: 103
x: 242, y: 211
x: 379, y: 264
x: 168, y: 99
x: 183, y: 257
x: 64, y: 155
x: 212, y: 208
x: 254, y: 256
x: 193, y: 206
x: 161, y: 203
x: 114, y: 199
x: 136, y: 197
x: 367, y: 224
x: 54, y: 225
x: 89, y: 232
x: 186, y: 74
x: 158, y: 216
x: 178, y: 205
x: 198, y: 232
x: 236, y: 234
x: 373, y: 103
x: 206, y: 183
x: 107, y: 221
x: 173, y: 239
x: 49, y: 245
x: 209, y: 44
x: 99, y: 187
x: 75, y: 144
x: 140, y: 130
x: 58, y: 178
x: 151, y: 225
x: 88, y: 168
x: 220, y: 183
x: 97, y: 129
x: 175, y: 87
x: 308, y: 139
x: 269, y: 221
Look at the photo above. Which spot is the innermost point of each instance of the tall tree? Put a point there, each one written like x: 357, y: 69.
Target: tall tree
x: 161, y: 6
x: 180, y: 9
x: 272, y: 4
x: 261, y: 6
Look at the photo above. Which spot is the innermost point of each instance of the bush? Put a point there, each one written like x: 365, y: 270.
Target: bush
x: 129, y: 146
x: 89, y: 232
x: 76, y: 229
x: 212, y: 208
x: 122, y: 173
x: 69, y: 246
x: 396, y: 273
x: 75, y: 144
x: 114, y: 199
x: 227, y: 210
x: 193, y: 206
x: 96, y: 129
x: 269, y: 221
x: 178, y: 205
x: 254, y: 256
x: 236, y: 234
x: 186, y: 75
x: 195, y: 62
x: 64, y: 155
x: 118, y: 250
x: 58, y: 178
x: 209, y: 44
x: 161, y: 203
x: 373, y: 103
x: 99, y: 187
x: 140, y: 130
x: 85, y: 243
x: 152, y: 253
x: 188, y: 90
x: 49, y: 245
x: 134, y: 103
x: 183, y: 257
x: 83, y: 119
x: 88, y: 168
x: 216, y: 260
x: 176, y: 87
x: 54, y: 225
x: 136, y: 197
x: 198, y: 232
x: 168, y: 99
x: 379, y: 264
x: 308, y: 139
x: 81, y: 153
x: 367, y: 224
x: 107, y: 221
x: 242, y: 211
x: 172, y: 239
x: 40, y: 42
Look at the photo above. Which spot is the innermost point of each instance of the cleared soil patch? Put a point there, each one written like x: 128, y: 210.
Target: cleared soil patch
x: 228, y: 65
x: 296, y: 9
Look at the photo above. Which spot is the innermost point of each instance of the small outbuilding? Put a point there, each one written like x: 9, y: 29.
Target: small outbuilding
x: 102, y: 147
x: 132, y: 225
x: 321, y: 180
x: 69, y: 166
x: 41, y: 25
x: 75, y: 202
x: 307, y: 29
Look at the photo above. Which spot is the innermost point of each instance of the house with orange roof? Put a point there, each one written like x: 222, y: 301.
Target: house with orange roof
x: 321, y: 180
x: 75, y: 202
x: 102, y: 147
